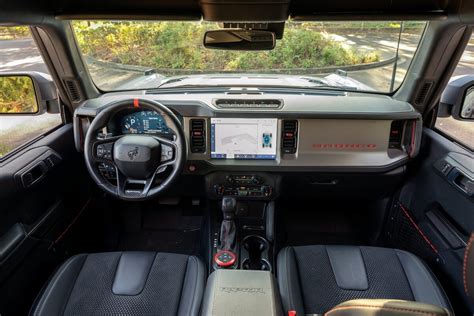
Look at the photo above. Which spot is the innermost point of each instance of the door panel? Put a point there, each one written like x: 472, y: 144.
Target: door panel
x: 438, y: 199
x: 43, y: 188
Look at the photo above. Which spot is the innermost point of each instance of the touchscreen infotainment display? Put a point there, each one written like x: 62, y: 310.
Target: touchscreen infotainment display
x: 233, y: 138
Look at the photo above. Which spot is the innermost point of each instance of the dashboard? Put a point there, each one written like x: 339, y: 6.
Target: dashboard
x: 270, y: 144
x: 306, y: 132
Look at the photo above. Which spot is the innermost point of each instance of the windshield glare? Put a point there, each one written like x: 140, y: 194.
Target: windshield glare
x: 365, y: 56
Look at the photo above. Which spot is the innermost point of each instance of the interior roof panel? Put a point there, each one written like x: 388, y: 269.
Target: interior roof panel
x: 195, y: 9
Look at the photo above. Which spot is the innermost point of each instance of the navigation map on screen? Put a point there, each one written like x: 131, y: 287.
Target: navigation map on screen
x: 233, y: 138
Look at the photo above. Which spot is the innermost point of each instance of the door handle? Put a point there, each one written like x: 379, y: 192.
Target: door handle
x: 462, y: 182
x: 34, y: 174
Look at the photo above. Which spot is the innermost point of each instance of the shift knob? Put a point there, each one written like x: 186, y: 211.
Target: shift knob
x: 228, y: 207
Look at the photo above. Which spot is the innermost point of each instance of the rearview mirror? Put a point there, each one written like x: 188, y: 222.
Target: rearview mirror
x: 27, y: 93
x: 237, y: 39
x: 457, y: 99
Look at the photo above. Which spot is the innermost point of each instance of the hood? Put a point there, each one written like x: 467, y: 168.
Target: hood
x: 297, y: 81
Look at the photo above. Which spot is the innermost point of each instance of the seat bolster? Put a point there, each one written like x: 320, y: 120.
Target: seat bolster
x: 193, y: 288
x: 289, y: 281
x: 383, y: 307
x: 423, y: 283
x: 55, y: 295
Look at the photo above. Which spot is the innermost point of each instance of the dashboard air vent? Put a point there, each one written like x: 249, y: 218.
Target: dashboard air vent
x: 249, y: 103
x: 73, y: 90
x: 198, y: 135
x: 396, y: 133
x: 289, y: 137
x: 423, y: 93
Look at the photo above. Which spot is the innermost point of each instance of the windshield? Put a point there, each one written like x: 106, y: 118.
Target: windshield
x: 364, y: 56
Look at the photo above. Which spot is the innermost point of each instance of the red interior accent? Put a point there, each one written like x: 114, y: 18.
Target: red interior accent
x: 418, y: 229
x: 225, y: 264
x: 136, y: 104
x: 291, y: 313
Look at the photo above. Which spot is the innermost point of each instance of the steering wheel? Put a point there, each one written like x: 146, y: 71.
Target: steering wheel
x: 134, y: 159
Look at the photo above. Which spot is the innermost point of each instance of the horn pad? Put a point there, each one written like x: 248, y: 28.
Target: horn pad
x: 137, y: 156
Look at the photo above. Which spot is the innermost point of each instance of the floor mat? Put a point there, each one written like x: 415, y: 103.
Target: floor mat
x: 163, y: 228
x: 326, y: 224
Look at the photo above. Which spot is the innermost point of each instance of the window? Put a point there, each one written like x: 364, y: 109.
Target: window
x: 462, y: 131
x: 19, y: 53
x: 367, y: 56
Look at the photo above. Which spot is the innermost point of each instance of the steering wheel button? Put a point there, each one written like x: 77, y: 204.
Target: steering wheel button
x: 100, y: 151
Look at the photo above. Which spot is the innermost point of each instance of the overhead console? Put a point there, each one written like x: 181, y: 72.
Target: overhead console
x: 245, y: 10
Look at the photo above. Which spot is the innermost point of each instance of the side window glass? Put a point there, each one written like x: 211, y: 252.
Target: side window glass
x: 18, y: 53
x: 461, y: 131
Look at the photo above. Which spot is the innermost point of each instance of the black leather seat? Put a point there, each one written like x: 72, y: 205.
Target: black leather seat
x: 314, y: 279
x: 124, y: 283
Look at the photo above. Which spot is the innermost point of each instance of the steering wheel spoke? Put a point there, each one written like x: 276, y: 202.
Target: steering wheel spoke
x: 102, y: 149
x: 137, y: 188
x: 169, y: 149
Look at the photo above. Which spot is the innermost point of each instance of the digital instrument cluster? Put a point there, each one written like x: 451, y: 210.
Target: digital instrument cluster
x: 144, y: 122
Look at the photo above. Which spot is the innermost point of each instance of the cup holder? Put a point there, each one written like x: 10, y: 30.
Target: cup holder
x: 255, y: 254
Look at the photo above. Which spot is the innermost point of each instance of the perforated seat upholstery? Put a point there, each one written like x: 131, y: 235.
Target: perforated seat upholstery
x: 124, y: 283
x: 314, y: 279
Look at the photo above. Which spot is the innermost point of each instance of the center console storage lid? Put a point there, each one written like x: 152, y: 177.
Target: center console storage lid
x: 241, y: 292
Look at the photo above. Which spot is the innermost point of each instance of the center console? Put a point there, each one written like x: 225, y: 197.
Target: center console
x: 245, y: 186
x: 239, y: 292
x: 242, y: 239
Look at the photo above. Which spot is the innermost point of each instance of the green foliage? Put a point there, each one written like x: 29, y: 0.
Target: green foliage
x: 14, y: 32
x: 178, y: 46
x: 4, y: 149
x: 17, y: 95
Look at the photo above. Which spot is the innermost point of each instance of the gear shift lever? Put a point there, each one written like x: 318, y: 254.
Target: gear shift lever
x: 226, y: 257
x: 228, y: 208
x: 228, y: 229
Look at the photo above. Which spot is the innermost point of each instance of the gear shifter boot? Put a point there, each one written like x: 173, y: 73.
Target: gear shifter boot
x: 228, y: 230
x: 228, y: 235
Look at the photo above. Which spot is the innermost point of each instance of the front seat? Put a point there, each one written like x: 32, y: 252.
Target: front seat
x: 124, y: 283
x: 315, y: 279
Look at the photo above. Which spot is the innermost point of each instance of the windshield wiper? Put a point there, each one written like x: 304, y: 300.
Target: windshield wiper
x: 325, y: 83
x: 171, y: 80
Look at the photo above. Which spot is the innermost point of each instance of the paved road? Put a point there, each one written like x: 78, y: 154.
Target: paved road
x: 385, y: 46
x: 20, y: 55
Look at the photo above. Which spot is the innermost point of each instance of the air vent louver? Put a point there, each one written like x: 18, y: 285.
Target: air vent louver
x: 249, y: 103
x: 396, y: 133
x: 198, y: 135
x: 423, y: 93
x: 73, y: 90
x: 289, y: 137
